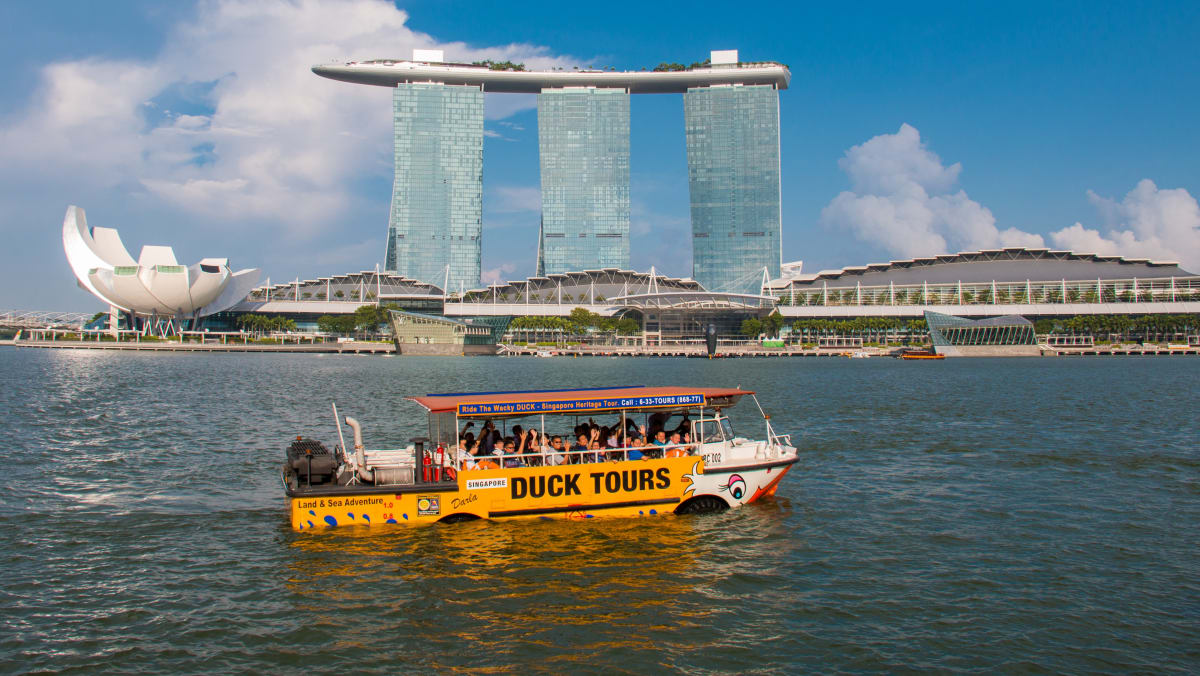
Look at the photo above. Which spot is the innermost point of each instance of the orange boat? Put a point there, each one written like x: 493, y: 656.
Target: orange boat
x: 921, y: 354
x: 432, y: 480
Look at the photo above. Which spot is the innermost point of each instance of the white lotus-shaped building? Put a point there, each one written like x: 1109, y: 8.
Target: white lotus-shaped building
x: 155, y: 284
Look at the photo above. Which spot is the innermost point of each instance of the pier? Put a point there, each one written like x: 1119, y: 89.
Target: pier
x: 353, y: 347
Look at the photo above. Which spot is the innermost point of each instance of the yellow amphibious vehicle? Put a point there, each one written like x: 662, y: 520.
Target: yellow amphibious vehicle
x: 654, y: 450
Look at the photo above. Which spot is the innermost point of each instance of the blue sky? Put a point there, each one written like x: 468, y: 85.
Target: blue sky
x: 907, y: 128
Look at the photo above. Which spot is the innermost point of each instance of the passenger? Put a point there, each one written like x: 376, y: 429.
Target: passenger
x: 615, y: 443
x: 675, y: 448
x: 595, y: 453
x: 684, y: 425
x: 510, y: 450
x: 467, y: 453
x: 487, y: 438
x: 657, y: 421
x: 655, y: 450
x: 532, y: 449
x: 579, y: 448
x: 630, y: 450
x: 555, y: 453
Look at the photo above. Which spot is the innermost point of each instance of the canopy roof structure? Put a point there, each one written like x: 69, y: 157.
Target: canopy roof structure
x: 695, y: 300
x: 581, y: 401
x: 1013, y: 264
x: 154, y: 284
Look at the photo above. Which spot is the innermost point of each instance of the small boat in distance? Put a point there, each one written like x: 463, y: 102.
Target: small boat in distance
x: 669, y: 449
x: 920, y: 354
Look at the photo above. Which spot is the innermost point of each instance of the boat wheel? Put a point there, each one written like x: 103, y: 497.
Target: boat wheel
x: 702, y: 504
x: 457, y: 518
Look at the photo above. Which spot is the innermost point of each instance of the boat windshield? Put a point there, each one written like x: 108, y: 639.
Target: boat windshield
x: 711, y: 431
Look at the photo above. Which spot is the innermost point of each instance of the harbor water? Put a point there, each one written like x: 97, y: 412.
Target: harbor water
x: 1008, y: 514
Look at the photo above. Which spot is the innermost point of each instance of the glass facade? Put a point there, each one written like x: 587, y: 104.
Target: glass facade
x: 733, y: 176
x: 437, y: 198
x: 947, y: 330
x: 583, y: 143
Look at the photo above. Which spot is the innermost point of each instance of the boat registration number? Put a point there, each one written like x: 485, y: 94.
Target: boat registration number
x: 712, y: 458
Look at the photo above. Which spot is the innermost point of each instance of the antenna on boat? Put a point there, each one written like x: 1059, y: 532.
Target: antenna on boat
x: 767, y: 418
x: 338, y: 420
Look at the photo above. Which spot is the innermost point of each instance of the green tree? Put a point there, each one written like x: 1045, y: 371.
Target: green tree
x: 628, y: 326
x: 368, y: 318
x: 773, y: 324
x: 752, y: 327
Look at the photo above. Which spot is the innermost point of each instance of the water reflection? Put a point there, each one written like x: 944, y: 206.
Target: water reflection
x: 482, y: 586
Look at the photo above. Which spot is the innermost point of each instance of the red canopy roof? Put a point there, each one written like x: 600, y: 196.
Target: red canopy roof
x: 449, y: 403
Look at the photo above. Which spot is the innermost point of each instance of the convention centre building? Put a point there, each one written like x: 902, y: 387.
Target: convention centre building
x: 1033, y: 283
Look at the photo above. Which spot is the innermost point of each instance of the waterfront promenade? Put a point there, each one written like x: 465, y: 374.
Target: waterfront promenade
x: 693, y: 351
x: 353, y: 347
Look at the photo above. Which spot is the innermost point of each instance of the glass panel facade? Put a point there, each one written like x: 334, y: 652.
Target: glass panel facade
x: 437, y: 198
x: 733, y: 175
x: 946, y: 330
x: 583, y: 142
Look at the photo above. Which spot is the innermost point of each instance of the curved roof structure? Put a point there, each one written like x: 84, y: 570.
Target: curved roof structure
x: 365, y: 285
x: 389, y: 73
x: 583, y: 287
x: 154, y: 284
x: 695, y: 300
x: 1015, y: 264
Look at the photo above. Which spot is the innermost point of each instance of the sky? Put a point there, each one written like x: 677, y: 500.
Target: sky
x: 909, y: 129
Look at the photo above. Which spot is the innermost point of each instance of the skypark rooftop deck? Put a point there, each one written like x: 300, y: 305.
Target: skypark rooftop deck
x: 387, y: 73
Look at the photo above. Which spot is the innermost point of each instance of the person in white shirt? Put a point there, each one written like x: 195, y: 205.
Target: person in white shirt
x: 555, y: 453
x: 467, y: 450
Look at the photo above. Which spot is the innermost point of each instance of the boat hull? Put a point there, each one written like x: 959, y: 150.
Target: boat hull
x: 611, y: 489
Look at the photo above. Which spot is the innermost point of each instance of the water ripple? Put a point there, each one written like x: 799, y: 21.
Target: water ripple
x: 973, y: 515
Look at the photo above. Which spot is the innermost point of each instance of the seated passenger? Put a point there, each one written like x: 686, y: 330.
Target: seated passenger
x: 478, y: 459
x: 655, y: 449
x: 466, y: 459
x: 555, y: 453
x: 675, y: 448
x: 487, y: 438
x: 578, y: 448
x: 631, y: 452
x: 510, y: 450
x: 531, y: 449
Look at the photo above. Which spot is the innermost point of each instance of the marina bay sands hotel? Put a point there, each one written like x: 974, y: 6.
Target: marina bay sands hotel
x: 731, y: 111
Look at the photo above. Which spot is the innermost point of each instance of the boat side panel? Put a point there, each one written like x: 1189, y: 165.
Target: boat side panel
x: 629, y: 488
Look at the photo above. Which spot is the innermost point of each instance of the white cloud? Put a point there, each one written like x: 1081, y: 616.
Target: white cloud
x: 498, y: 273
x: 902, y: 201
x: 274, y: 143
x: 515, y: 199
x: 1150, y: 222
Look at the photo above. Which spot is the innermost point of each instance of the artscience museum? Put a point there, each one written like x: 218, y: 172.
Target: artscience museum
x: 154, y: 293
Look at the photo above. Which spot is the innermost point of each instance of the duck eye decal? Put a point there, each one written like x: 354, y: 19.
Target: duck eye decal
x: 736, y: 486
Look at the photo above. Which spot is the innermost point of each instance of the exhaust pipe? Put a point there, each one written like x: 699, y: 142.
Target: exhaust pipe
x: 360, y: 455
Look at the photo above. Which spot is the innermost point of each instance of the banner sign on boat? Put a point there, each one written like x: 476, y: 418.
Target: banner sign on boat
x: 580, y: 405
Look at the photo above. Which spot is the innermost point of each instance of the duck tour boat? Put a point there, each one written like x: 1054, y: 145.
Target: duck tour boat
x: 550, y: 454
